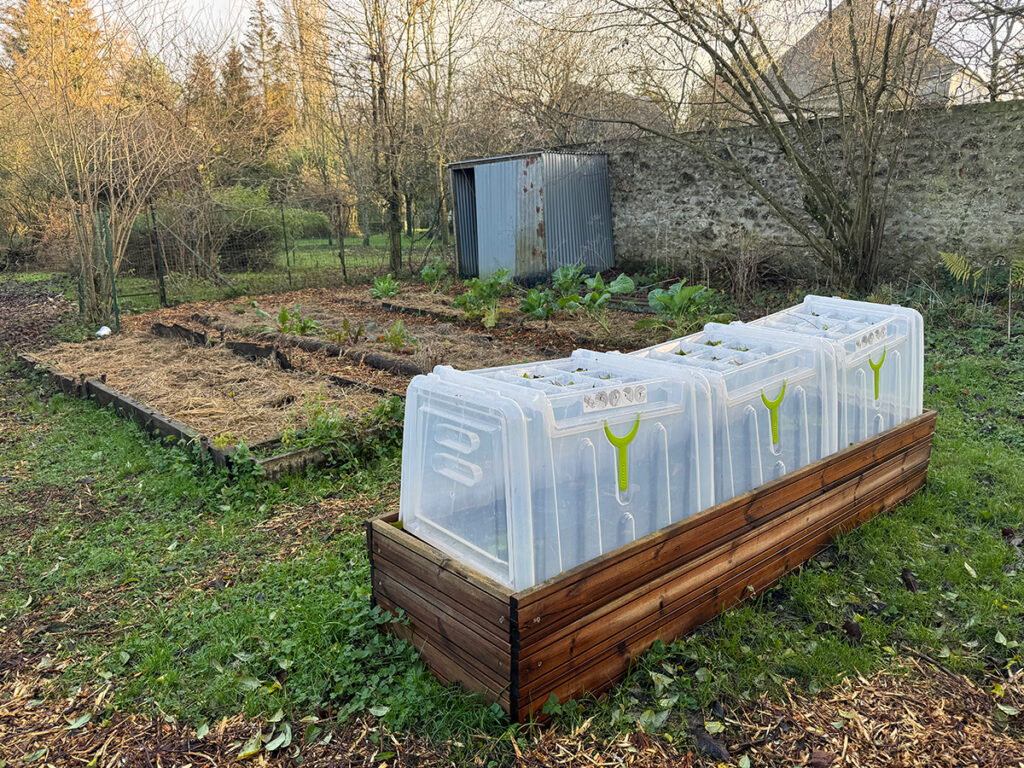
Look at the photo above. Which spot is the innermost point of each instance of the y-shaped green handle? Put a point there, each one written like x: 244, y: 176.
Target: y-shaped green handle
x: 773, y: 409
x: 620, y: 444
x: 877, y: 368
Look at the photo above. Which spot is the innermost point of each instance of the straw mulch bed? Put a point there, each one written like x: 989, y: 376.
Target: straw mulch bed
x: 211, y: 390
x: 319, y: 362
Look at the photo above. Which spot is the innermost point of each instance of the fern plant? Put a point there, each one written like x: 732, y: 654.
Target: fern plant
x: 961, y: 269
x: 975, y: 276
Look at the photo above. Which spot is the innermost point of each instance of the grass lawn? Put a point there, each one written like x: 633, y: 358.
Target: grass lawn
x: 199, y: 596
x: 311, y: 263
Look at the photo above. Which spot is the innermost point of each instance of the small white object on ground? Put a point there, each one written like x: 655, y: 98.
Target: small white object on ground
x: 103, y: 332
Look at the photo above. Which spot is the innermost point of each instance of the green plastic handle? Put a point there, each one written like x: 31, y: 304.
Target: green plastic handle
x: 877, y: 369
x: 621, y: 443
x: 773, y: 409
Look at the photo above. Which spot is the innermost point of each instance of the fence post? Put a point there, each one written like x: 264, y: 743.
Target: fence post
x: 287, y: 262
x: 109, y: 250
x: 161, y: 265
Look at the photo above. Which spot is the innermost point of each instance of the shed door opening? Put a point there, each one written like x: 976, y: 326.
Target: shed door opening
x: 464, y: 189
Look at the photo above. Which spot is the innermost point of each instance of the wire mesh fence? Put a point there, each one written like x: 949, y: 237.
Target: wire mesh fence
x: 239, y: 241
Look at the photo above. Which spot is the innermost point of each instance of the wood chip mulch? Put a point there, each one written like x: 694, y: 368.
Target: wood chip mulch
x: 581, y: 748
x: 29, y: 313
x: 915, y: 715
x: 49, y: 734
x: 921, y: 715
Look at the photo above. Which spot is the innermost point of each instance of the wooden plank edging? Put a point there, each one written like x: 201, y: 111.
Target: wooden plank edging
x: 157, y: 423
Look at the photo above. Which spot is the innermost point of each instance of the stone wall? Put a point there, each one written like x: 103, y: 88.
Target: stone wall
x: 960, y: 187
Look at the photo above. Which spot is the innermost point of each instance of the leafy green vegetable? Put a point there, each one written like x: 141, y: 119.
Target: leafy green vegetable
x: 385, y: 287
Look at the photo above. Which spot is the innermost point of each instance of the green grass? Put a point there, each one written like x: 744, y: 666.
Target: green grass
x: 173, y: 592
x: 311, y: 263
x: 181, y: 589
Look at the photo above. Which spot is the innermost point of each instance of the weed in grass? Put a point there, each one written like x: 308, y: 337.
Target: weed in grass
x: 349, y: 441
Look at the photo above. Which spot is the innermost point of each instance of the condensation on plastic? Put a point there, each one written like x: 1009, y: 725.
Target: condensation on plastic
x: 879, y: 359
x: 773, y: 397
x: 526, y: 471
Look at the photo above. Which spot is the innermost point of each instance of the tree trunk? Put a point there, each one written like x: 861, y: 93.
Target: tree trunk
x: 445, y: 236
x: 364, y: 223
x: 342, y: 225
x: 393, y: 207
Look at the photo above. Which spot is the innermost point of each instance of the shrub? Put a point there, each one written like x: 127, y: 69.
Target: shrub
x: 249, y: 227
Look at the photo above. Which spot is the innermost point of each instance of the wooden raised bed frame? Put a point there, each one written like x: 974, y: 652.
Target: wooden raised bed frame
x: 578, y: 632
x: 157, y: 423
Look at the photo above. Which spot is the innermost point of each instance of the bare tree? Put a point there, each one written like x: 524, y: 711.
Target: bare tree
x: 375, y: 63
x: 987, y: 38
x: 838, y: 114
x: 99, y: 111
x: 443, y: 43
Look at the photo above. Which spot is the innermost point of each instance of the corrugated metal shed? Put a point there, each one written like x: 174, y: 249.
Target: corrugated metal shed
x: 532, y: 213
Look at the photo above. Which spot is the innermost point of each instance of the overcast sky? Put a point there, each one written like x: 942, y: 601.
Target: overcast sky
x: 200, y: 23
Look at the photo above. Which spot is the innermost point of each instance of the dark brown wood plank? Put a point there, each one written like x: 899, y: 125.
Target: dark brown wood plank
x: 562, y: 607
x: 599, y: 674
x: 424, y: 612
x: 150, y: 419
x: 481, y: 672
x: 282, y: 464
x: 485, y: 598
x: 611, y: 622
x: 449, y: 670
x: 450, y: 604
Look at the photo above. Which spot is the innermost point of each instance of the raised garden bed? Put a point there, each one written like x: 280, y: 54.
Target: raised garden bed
x: 579, y: 631
x: 214, y: 397
x: 441, y: 333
